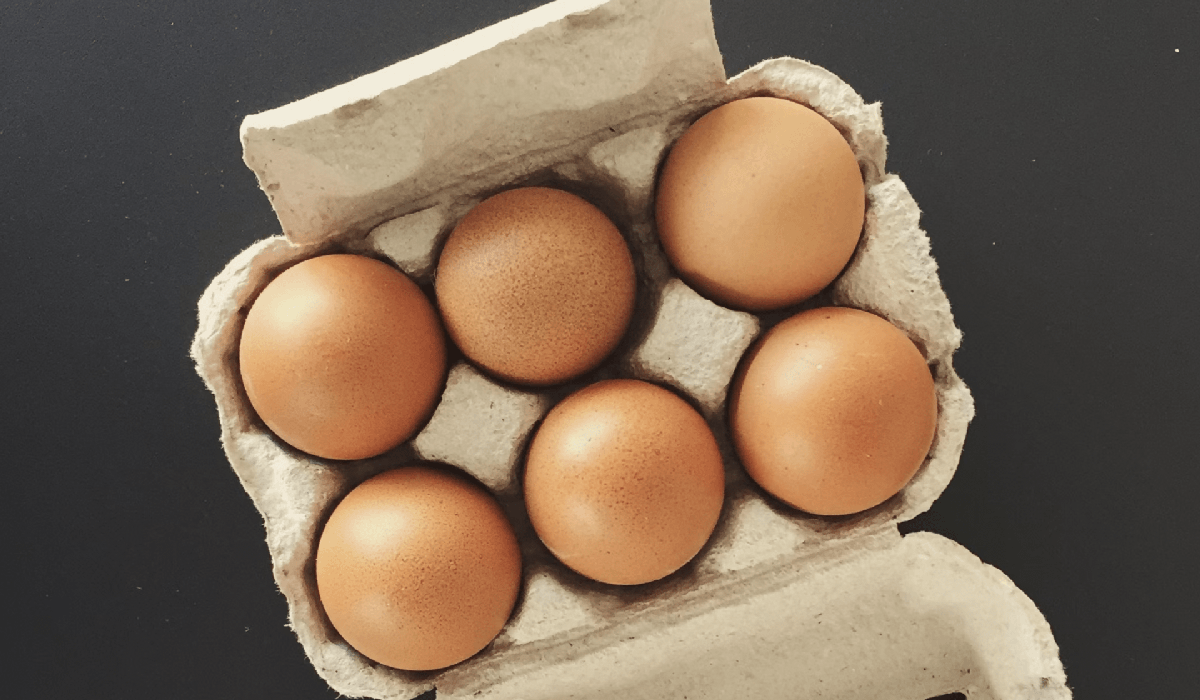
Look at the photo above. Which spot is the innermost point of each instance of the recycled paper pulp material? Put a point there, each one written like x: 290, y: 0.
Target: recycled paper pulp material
x: 589, y: 96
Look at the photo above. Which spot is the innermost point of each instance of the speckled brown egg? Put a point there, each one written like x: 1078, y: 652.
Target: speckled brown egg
x: 342, y: 356
x: 536, y: 285
x: 418, y: 568
x: 760, y: 203
x: 624, y: 482
x: 833, y: 411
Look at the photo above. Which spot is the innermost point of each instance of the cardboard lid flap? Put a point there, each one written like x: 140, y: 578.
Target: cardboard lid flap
x: 494, y: 104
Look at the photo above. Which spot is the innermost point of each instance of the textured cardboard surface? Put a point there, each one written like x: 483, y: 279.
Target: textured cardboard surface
x: 785, y: 604
x: 319, y: 159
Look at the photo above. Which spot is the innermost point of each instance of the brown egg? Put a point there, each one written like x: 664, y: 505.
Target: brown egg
x: 536, y: 285
x: 624, y: 482
x: 342, y: 356
x: 760, y: 204
x: 833, y: 411
x: 418, y: 568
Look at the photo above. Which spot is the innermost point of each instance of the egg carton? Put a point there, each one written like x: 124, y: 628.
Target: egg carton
x: 588, y: 96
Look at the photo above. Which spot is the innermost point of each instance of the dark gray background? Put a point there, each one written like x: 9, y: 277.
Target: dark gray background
x: 1051, y: 146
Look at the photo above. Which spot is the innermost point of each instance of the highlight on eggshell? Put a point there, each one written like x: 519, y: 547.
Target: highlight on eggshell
x: 624, y: 482
x: 418, y: 568
x: 536, y: 285
x: 833, y: 411
x: 342, y: 356
x: 760, y: 204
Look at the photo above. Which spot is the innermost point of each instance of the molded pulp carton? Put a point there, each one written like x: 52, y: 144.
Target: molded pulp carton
x: 588, y: 96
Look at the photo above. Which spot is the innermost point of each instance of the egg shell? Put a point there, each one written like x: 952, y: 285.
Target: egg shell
x: 342, y: 356
x: 418, y: 568
x: 778, y: 604
x: 833, y: 411
x: 624, y: 482
x: 536, y: 285
x: 760, y: 203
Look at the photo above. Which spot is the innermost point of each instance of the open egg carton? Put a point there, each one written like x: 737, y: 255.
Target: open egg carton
x: 588, y: 96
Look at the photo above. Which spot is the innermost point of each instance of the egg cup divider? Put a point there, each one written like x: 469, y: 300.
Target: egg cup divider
x: 778, y: 604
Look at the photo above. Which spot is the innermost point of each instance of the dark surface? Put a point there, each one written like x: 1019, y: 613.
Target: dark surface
x: 1051, y: 146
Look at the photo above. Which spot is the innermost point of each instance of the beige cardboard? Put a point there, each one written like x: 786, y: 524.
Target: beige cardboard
x: 888, y: 617
x: 589, y: 95
x: 463, y: 111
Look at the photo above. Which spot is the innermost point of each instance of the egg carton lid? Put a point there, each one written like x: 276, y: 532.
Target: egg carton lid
x: 877, y: 614
x: 908, y: 618
x: 426, y: 115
